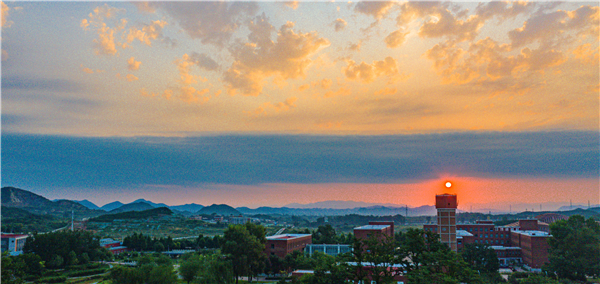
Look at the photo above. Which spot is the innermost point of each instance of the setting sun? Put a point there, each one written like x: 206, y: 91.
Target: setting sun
x: 448, y: 184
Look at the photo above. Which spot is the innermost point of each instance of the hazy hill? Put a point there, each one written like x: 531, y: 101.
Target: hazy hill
x: 16, y: 220
x: 339, y: 204
x: 219, y: 209
x: 372, y: 210
x: 33, y: 203
x: 88, y: 204
x: 192, y: 207
x: 137, y: 206
x: 155, y: 205
x: 112, y: 206
x: 146, y: 214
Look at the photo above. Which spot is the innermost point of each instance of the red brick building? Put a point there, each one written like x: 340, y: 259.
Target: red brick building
x: 281, y: 245
x: 534, y: 246
x: 446, y: 205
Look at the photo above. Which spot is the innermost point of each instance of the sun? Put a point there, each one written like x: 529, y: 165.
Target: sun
x: 448, y: 184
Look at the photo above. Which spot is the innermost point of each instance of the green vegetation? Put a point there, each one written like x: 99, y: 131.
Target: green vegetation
x: 204, y: 269
x: 146, y: 214
x: 574, y: 248
x: 60, y: 249
x: 482, y: 259
x: 20, y: 221
x: 244, y: 246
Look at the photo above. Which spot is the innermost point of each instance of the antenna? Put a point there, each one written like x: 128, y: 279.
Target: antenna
x: 571, y: 202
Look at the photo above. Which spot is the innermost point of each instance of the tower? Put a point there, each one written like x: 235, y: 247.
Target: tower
x: 446, y: 205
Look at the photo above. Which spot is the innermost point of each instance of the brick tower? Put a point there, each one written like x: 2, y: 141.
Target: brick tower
x: 446, y: 205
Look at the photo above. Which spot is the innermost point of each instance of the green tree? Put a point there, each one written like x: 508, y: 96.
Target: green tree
x: 244, y: 246
x: 574, y: 248
x: 12, y: 270
x: 324, y: 235
x: 162, y: 274
x: 483, y: 259
x: 190, y: 268
x: 73, y: 258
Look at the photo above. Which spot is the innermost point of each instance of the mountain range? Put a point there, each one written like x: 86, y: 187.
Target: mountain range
x: 33, y: 203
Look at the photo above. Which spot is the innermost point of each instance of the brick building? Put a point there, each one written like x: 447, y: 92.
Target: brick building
x: 534, y: 246
x: 380, y: 229
x: 114, y: 246
x: 281, y: 245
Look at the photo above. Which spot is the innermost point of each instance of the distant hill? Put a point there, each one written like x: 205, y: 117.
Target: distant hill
x: 339, y: 204
x: 130, y: 215
x: 88, y: 204
x: 193, y: 207
x: 426, y: 210
x: 33, y: 203
x: 137, y: 206
x: 112, y: 206
x: 155, y: 205
x: 219, y: 209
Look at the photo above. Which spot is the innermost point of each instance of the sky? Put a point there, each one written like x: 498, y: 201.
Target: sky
x: 269, y: 103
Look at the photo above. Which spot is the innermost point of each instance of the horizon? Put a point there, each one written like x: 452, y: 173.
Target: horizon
x: 271, y: 103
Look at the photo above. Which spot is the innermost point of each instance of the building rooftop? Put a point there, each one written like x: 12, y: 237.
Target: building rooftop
x: 13, y: 235
x: 533, y: 233
x: 463, y: 233
x: 287, y: 236
x: 504, y: 248
x: 372, y: 227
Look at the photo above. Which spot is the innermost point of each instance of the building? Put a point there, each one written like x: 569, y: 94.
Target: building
x: 13, y: 243
x: 534, y: 247
x: 333, y: 249
x: 380, y: 229
x: 281, y: 245
x: 114, y: 246
x: 446, y: 205
x: 524, y: 241
x: 239, y: 220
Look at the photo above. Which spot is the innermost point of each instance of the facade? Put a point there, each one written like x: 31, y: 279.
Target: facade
x: 332, y: 250
x: 281, y: 245
x: 239, y: 220
x: 534, y: 246
x: 446, y: 205
x: 381, y: 229
x: 508, y: 255
x: 114, y: 246
x: 13, y: 243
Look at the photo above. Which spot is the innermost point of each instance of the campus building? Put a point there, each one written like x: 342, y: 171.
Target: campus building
x: 114, y: 246
x: 524, y: 241
x: 281, y: 245
x: 328, y: 249
x: 379, y: 229
x: 13, y: 243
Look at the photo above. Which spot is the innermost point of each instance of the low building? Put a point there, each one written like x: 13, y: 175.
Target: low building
x: 281, y: 245
x: 379, y: 229
x: 534, y: 247
x: 239, y: 220
x: 508, y: 255
x: 114, y: 246
x: 328, y: 249
x: 13, y: 243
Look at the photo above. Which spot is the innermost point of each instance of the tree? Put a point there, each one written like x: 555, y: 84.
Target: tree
x: 430, y: 261
x: 324, y: 235
x: 244, y: 246
x: 483, y: 259
x: 190, y: 268
x: 574, y: 248
x: 162, y: 274
x: 12, y: 271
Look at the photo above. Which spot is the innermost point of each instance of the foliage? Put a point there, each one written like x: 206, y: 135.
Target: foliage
x: 206, y: 269
x: 530, y: 278
x: 146, y: 214
x: 574, y: 248
x: 431, y: 261
x: 483, y: 259
x: 60, y: 248
x: 12, y: 270
x: 55, y: 279
x: 17, y: 220
x: 244, y: 245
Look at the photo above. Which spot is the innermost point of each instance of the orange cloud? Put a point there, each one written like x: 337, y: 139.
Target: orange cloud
x: 147, y: 33
x: 291, y: 4
x: 105, y: 43
x: 5, y: 10
x: 376, y: 9
x: 396, y: 38
x: 145, y: 7
x: 286, y: 58
x: 268, y: 107
x: 86, y: 70
x: 133, y: 65
x: 368, y: 72
x: 339, y: 24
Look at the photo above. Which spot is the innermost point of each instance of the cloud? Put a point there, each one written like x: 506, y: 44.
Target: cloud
x: 128, y: 77
x: 105, y: 43
x: 286, y: 58
x: 204, y: 61
x: 547, y: 28
x: 133, y: 65
x: 145, y: 7
x: 369, y: 72
x: 340, y: 92
x: 586, y: 54
x: 5, y: 23
x: 268, y: 107
x: 292, y: 4
x: 4, y: 55
x: 89, y: 162
x: 339, y: 24
x: 86, y: 70
x: 211, y: 22
x: 147, y: 33
x: 376, y: 9
x: 22, y: 82
x: 325, y: 83
x: 396, y: 38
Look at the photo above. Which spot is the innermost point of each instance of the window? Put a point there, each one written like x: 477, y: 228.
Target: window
x: 272, y: 246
